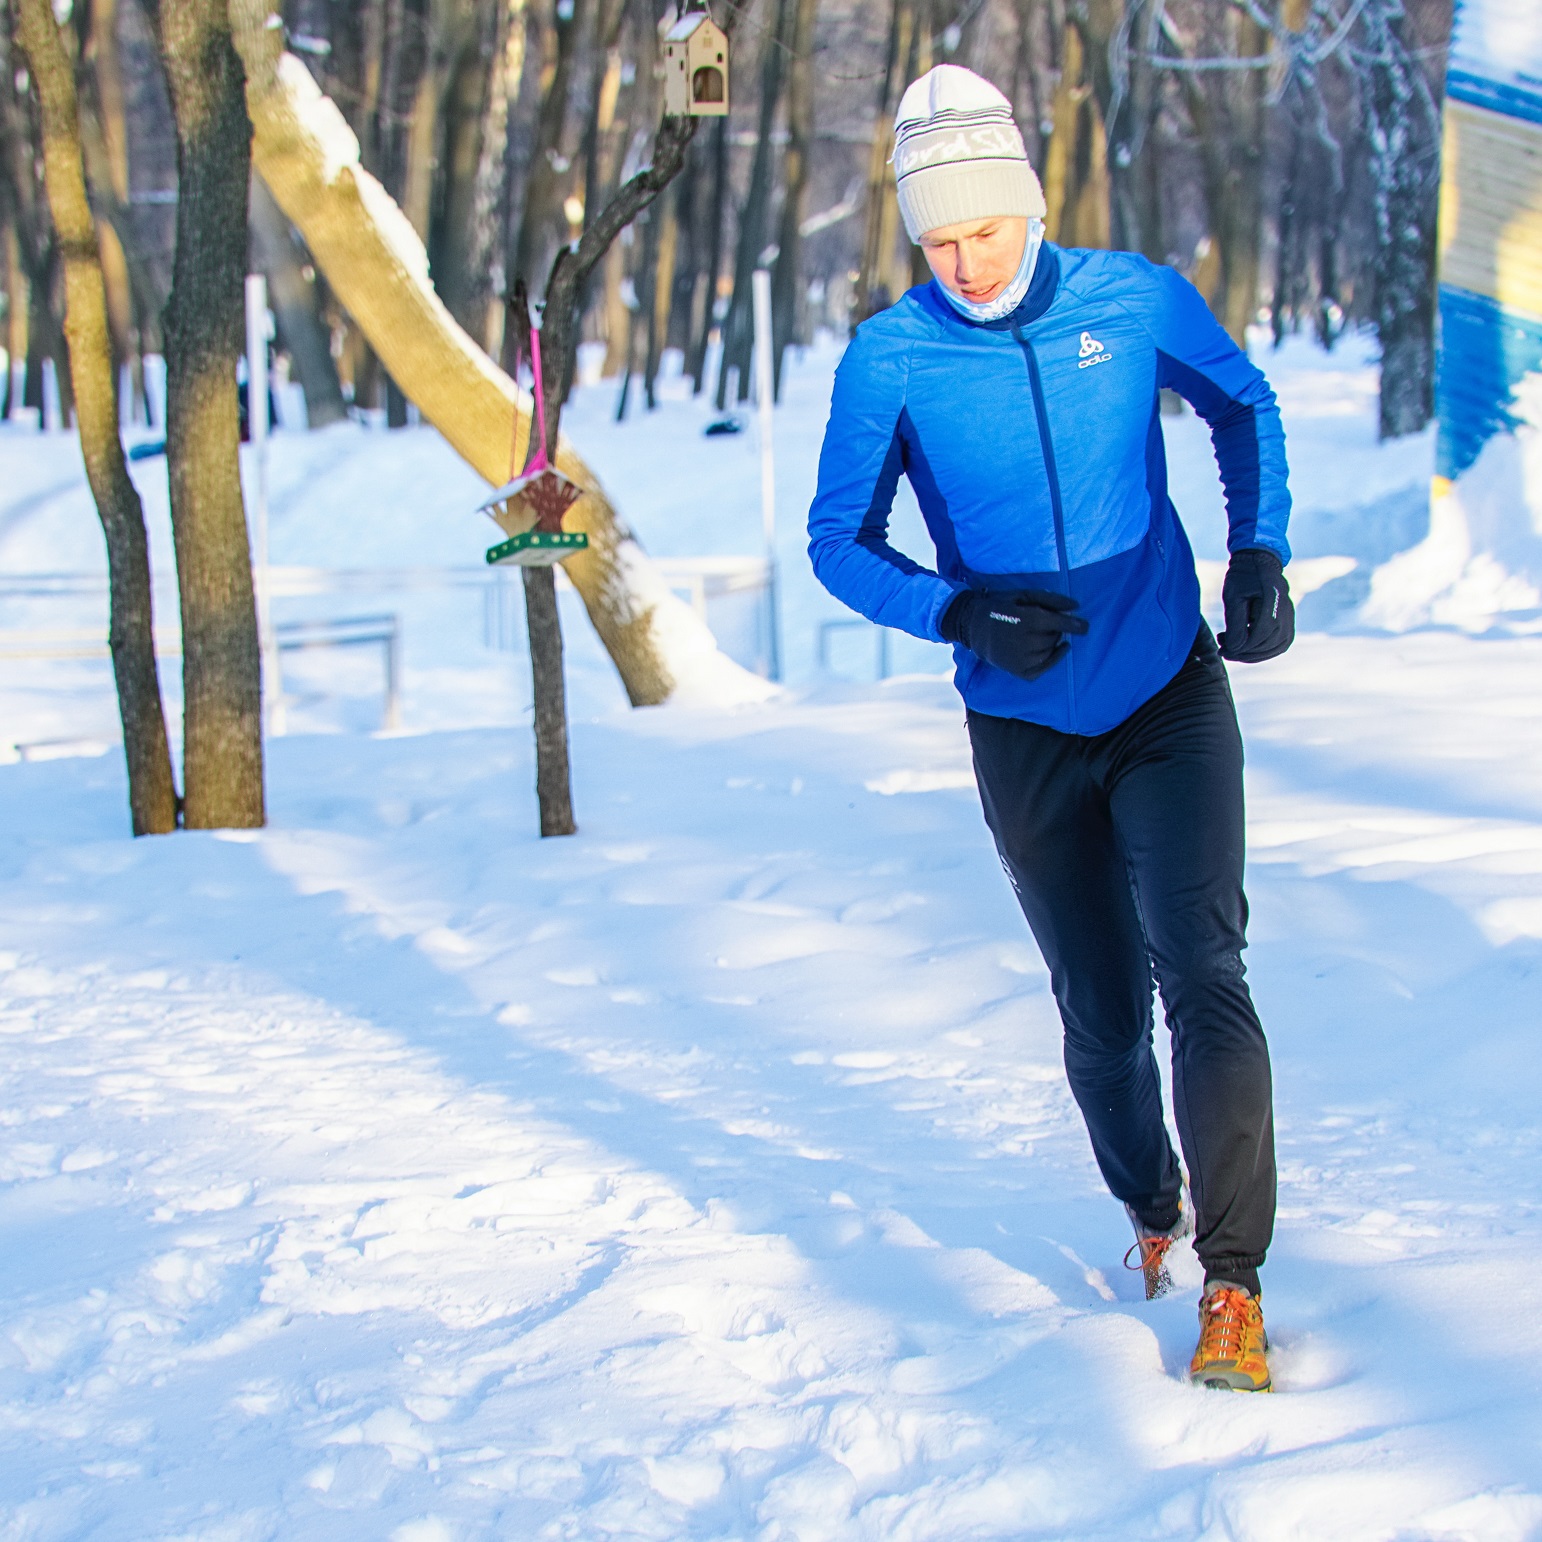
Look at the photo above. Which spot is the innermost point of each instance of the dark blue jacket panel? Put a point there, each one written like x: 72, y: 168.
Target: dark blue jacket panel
x: 1035, y: 450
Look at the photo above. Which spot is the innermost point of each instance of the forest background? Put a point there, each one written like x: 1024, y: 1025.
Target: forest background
x: 1285, y: 157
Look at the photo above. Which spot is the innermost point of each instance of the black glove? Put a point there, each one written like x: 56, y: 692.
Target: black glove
x: 1260, y: 620
x: 1023, y: 633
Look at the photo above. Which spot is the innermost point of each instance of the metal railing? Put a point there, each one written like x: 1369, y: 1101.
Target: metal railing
x: 352, y: 632
x: 382, y: 631
x: 828, y: 629
x: 699, y: 581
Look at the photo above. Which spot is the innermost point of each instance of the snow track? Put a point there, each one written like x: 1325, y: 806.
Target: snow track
x: 391, y: 1174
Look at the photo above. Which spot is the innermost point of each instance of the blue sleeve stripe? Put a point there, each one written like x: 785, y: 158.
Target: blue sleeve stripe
x: 875, y: 522
x: 860, y: 467
x: 873, y: 533
x: 1234, y: 432
x: 934, y: 506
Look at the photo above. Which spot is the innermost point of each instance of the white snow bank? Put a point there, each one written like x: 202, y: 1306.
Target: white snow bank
x: 1482, y: 559
x: 393, y: 1174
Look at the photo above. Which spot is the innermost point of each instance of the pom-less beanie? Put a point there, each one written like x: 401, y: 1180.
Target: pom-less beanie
x: 958, y: 155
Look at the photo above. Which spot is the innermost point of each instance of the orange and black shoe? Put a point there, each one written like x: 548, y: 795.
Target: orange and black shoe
x: 1149, y: 1251
x: 1233, y: 1347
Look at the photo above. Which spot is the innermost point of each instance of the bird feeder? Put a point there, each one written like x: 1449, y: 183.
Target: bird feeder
x: 696, y: 68
x: 529, y: 509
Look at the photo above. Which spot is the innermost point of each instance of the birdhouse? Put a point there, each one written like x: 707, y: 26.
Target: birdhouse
x: 696, y: 68
x: 529, y: 508
x: 545, y: 494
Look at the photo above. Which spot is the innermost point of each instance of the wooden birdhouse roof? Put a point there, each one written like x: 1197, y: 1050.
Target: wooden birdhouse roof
x: 686, y: 27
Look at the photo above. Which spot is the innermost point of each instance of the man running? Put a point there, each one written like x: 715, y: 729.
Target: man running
x: 1019, y: 393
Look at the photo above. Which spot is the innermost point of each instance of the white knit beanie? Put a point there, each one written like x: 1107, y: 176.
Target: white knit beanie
x: 958, y: 155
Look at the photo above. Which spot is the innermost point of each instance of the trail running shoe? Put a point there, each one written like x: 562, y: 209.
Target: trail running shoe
x: 1150, y: 1248
x: 1233, y: 1347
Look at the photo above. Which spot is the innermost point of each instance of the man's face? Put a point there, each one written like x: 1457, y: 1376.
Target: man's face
x: 976, y: 259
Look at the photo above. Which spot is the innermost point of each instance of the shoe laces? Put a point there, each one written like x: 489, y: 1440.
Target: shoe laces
x: 1151, y: 1251
x: 1224, y: 1323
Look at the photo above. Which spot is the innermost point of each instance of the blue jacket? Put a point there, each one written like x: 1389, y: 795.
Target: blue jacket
x: 1034, y: 445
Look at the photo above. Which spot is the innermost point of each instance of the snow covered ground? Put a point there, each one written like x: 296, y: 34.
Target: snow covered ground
x: 390, y: 1173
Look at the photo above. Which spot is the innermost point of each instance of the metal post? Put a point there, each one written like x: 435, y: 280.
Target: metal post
x: 393, y: 679
x: 257, y: 428
x: 760, y: 288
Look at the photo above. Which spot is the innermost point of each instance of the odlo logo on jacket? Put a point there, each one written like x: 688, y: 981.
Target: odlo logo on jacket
x: 1092, y: 352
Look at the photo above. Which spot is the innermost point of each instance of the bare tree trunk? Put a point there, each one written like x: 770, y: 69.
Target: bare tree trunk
x: 453, y: 250
x: 376, y: 268
x: 481, y: 246
x: 152, y: 792
x: 133, y: 295
x: 1118, y: 39
x: 1404, y: 138
x: 787, y: 279
x: 101, y: 52
x: 297, y: 310
x: 1227, y: 110
x: 48, y: 327
x: 425, y: 119
x: 221, y: 668
x: 543, y: 191
x: 34, y: 331
x: 1076, y: 192
x: 19, y: 298
x: 755, y: 217
x: 553, y: 774
x: 564, y: 296
x: 875, y: 287
x: 663, y: 294
x: 696, y: 364
x: 680, y: 328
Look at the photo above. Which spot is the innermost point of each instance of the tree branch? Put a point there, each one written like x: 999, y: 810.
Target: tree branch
x: 573, y: 265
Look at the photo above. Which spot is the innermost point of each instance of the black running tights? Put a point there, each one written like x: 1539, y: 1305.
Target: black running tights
x: 1126, y: 851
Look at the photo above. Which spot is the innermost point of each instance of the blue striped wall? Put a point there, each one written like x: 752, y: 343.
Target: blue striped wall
x: 1484, y: 352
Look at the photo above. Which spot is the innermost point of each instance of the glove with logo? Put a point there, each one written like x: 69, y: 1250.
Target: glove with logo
x: 1260, y: 619
x: 1023, y: 633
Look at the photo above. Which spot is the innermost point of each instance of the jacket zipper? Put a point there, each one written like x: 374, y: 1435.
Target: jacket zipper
x: 1041, y: 413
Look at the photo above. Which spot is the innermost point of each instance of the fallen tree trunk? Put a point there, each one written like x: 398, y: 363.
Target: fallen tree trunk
x: 309, y: 158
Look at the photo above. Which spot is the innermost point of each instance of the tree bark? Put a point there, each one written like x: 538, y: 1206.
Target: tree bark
x: 553, y: 778
x: 1125, y: 115
x: 37, y: 246
x: 661, y: 287
x: 875, y: 278
x: 301, y: 327
x: 1227, y: 109
x: 221, y: 661
x: 152, y: 793
x: 703, y: 322
x: 1076, y: 192
x: 19, y: 299
x: 379, y: 271
x: 754, y: 218
x: 564, y: 296
x: 786, y: 285
x: 573, y: 265
x: 459, y: 253
x: 542, y: 214
x: 1404, y: 139
x: 101, y: 54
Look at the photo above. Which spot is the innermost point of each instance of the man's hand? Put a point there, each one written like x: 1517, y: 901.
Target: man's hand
x: 1260, y: 620
x: 1023, y: 633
